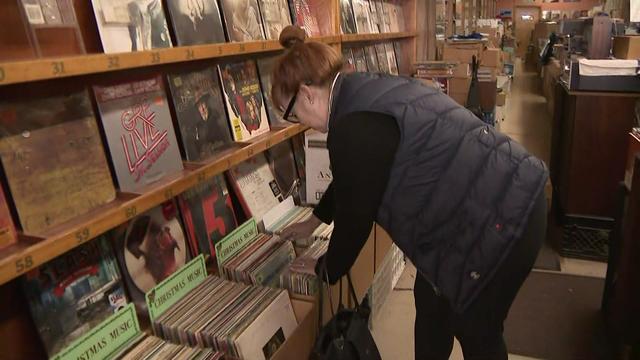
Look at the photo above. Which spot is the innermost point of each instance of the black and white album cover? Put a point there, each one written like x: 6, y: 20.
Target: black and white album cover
x: 242, y: 19
x: 347, y: 21
x: 276, y: 16
x: 131, y: 25
x: 196, y: 22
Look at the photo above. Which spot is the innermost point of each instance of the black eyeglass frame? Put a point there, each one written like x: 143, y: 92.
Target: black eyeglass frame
x: 287, y: 112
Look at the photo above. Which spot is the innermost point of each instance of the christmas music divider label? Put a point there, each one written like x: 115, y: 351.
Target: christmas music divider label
x: 175, y: 287
x: 106, y: 339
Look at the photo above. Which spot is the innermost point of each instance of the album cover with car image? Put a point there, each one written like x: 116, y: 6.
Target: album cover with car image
x: 73, y: 293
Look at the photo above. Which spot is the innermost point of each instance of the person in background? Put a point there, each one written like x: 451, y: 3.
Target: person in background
x: 464, y: 202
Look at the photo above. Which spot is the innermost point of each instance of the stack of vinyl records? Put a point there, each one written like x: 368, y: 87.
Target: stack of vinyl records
x: 151, y: 347
x: 300, y: 282
x: 243, y: 321
x: 260, y: 262
x: 298, y: 214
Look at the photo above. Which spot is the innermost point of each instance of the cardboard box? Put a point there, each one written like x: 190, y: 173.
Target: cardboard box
x: 460, y: 98
x: 488, y: 95
x: 462, y: 70
x: 501, y: 99
x: 459, y: 85
x: 301, y: 341
x: 492, y: 57
x: 464, y: 56
x: 626, y: 47
x: 487, y: 74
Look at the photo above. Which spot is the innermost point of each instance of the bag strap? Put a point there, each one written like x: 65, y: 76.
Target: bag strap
x: 352, y: 290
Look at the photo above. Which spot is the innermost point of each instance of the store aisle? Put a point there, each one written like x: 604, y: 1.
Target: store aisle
x: 529, y: 123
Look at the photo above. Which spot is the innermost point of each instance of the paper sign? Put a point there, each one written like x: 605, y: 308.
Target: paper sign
x: 106, y: 339
x: 236, y: 241
x: 175, y: 287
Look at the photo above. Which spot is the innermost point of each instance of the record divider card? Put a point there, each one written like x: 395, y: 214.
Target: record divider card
x: 108, y: 338
x: 237, y: 240
x: 161, y: 297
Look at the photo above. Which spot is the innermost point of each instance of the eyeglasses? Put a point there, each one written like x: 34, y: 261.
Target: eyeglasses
x: 287, y: 113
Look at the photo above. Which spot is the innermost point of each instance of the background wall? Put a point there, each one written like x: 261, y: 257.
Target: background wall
x: 562, y: 6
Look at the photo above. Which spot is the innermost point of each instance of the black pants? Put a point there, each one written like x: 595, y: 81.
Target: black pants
x: 479, y: 328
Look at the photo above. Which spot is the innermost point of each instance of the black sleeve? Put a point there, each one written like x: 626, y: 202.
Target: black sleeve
x: 361, y: 149
x: 326, y: 207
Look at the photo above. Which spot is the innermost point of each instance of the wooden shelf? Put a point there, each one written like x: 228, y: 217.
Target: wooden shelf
x: 350, y: 38
x: 33, y: 251
x: 52, y: 68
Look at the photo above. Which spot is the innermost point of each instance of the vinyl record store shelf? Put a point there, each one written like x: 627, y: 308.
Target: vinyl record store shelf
x: 52, y: 68
x: 34, y: 250
x: 351, y: 38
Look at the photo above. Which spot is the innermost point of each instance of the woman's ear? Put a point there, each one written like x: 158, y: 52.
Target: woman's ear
x: 306, y: 93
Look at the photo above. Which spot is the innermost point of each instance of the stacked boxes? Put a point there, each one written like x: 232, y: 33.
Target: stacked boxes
x: 462, y: 53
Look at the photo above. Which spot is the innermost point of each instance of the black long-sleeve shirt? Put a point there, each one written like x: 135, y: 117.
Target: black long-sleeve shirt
x: 362, y: 147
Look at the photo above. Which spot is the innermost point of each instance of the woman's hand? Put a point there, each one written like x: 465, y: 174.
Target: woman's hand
x: 301, y: 230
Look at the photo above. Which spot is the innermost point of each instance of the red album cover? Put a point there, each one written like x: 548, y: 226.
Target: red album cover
x: 208, y: 215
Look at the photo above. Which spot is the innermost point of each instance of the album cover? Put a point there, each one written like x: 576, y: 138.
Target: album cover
x: 256, y: 187
x: 245, y: 104
x: 8, y: 235
x: 347, y: 21
x: 391, y: 58
x: 362, y: 16
x: 305, y: 18
x: 131, y: 25
x: 149, y: 248
x: 350, y: 62
x: 208, y: 215
x: 383, y: 20
x: 73, y: 293
x: 397, y: 47
x: 283, y: 166
x: 298, y: 155
x: 196, y: 22
x: 276, y: 16
x: 202, y: 121
x: 376, y: 18
x: 265, y: 68
x: 371, y: 58
x: 383, y: 61
x: 242, y: 20
x: 359, y: 59
x: 53, y: 159
x: 139, y: 131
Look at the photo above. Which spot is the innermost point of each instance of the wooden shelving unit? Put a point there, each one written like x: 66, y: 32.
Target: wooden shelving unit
x: 35, y: 250
x: 351, y: 38
x: 52, y: 68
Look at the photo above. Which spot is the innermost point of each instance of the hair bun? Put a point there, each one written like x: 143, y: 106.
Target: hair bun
x: 291, y: 35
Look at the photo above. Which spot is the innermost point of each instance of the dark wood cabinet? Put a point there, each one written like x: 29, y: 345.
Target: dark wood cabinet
x: 589, y: 149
